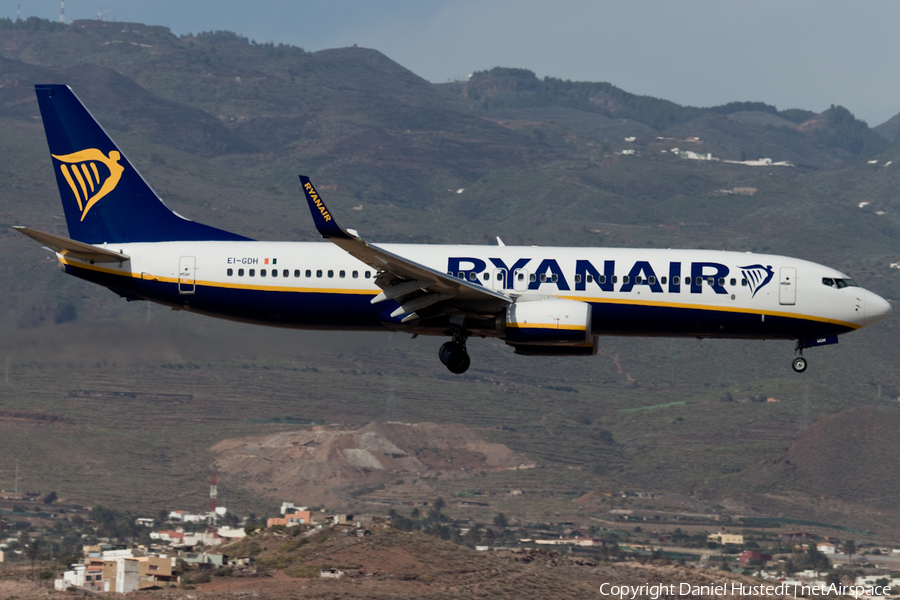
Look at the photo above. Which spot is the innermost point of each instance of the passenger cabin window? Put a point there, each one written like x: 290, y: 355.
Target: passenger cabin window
x: 230, y: 272
x: 342, y: 274
x: 638, y: 280
x: 554, y: 278
x: 274, y: 272
x: 578, y: 278
x: 615, y: 279
x: 473, y: 276
x: 676, y: 280
x: 721, y: 281
x: 296, y: 273
x: 287, y: 273
x: 252, y: 272
x: 486, y: 276
x: 651, y: 280
x: 710, y: 280
x: 355, y: 274
x: 500, y: 276
x: 262, y: 272
x: 625, y: 279
x: 602, y: 279
x: 733, y: 281
x: 744, y: 282
x: 368, y: 274
x: 699, y: 281
x: 532, y: 277
x: 662, y: 280
x: 240, y: 272
x: 330, y: 273
x: 589, y: 278
x: 521, y: 276
x: 318, y: 272
x: 308, y: 273
x: 543, y: 277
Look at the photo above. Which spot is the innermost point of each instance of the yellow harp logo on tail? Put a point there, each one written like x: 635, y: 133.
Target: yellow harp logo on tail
x: 88, y: 183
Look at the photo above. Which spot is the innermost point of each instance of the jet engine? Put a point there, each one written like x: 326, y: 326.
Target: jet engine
x: 548, y: 322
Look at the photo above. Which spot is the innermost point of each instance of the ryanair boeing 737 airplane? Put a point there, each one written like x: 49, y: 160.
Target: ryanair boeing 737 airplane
x: 540, y: 301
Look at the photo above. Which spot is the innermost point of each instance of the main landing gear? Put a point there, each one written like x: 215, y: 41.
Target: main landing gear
x: 453, y: 353
x: 799, y: 363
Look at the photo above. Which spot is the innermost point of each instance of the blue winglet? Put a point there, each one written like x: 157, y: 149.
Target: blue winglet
x: 325, y: 221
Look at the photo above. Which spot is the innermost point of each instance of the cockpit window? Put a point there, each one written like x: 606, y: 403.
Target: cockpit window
x: 838, y: 283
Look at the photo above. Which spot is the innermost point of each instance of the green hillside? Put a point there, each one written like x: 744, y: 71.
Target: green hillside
x: 221, y: 127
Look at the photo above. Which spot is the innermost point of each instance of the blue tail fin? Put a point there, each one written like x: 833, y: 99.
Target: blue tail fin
x: 105, y: 199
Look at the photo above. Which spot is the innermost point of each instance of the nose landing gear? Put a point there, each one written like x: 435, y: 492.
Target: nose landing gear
x: 799, y: 363
x: 453, y: 353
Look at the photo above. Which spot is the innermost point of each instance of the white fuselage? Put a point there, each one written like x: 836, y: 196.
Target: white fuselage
x: 631, y: 291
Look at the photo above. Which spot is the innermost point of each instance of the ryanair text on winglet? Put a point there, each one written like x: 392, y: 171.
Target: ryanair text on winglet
x: 315, y: 198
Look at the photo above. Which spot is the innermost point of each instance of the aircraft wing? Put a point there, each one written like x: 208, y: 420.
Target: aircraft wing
x: 420, y: 290
x: 68, y: 247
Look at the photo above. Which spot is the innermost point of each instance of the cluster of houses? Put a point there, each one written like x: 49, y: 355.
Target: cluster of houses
x: 123, y: 570
x: 292, y: 516
x: 105, y: 569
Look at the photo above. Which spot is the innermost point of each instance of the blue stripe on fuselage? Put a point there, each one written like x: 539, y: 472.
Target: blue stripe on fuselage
x: 354, y: 311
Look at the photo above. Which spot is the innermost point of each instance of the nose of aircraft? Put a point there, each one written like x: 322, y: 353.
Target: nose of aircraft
x: 877, y: 308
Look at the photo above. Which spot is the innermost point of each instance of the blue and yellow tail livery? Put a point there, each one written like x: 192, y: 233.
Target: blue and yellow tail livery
x: 104, y: 197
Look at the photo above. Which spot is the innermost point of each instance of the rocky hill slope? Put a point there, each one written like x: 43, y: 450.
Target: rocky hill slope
x: 321, y: 464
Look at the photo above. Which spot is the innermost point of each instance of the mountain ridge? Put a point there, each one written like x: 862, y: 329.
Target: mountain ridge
x: 220, y: 127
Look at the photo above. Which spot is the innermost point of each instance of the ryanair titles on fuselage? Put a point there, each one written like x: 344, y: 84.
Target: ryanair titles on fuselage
x: 548, y: 271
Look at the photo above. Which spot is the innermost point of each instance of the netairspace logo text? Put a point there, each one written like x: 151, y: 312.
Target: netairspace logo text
x: 655, y: 591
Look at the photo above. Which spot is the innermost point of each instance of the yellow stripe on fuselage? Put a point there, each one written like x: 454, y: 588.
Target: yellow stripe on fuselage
x: 594, y: 300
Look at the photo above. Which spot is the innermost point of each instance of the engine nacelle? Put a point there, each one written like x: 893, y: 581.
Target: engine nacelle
x: 536, y: 350
x: 549, y: 322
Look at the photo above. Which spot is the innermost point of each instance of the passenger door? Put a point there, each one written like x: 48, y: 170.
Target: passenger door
x: 787, y: 288
x: 186, y: 268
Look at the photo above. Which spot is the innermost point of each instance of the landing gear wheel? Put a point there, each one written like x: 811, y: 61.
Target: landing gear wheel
x: 454, y: 357
x: 462, y: 367
x: 799, y: 364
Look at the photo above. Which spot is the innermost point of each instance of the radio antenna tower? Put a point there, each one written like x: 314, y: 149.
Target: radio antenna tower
x: 213, y: 492
x: 99, y: 13
x: 62, y: 11
x: 19, y: 11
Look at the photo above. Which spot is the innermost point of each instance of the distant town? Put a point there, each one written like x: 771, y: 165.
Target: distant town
x: 99, y: 550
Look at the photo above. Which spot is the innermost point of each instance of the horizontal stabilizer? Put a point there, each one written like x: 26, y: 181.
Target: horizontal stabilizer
x: 72, y: 248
